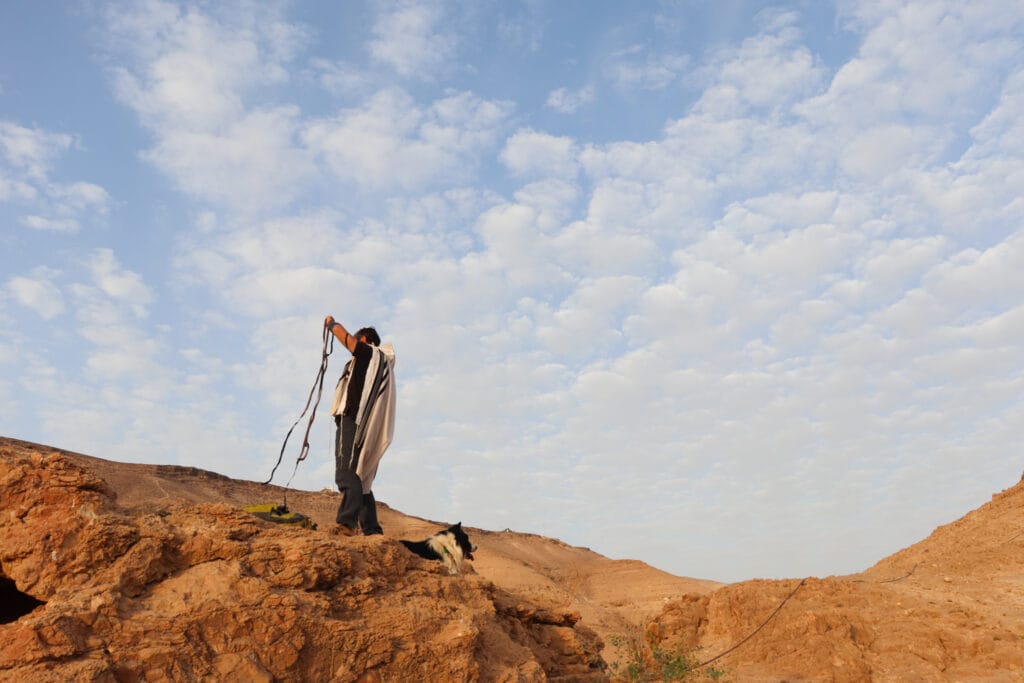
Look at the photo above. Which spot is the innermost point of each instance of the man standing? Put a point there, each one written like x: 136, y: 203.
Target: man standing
x: 364, y: 414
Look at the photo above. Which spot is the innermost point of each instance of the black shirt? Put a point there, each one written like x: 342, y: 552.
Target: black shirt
x: 360, y: 362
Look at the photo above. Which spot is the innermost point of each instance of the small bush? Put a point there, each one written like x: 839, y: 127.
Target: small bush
x: 649, y: 659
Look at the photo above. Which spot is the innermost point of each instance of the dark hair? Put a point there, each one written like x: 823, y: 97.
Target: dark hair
x: 370, y: 334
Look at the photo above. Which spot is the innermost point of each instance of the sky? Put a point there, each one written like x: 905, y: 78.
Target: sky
x: 733, y: 288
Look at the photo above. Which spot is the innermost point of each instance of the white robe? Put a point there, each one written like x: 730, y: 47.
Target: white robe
x: 375, y: 421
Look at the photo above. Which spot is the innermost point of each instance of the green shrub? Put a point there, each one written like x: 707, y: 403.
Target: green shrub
x: 649, y: 659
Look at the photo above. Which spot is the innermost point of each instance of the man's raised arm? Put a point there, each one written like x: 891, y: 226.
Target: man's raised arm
x: 341, y: 333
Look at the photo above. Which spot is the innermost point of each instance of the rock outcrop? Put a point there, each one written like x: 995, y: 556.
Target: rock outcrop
x: 184, y: 591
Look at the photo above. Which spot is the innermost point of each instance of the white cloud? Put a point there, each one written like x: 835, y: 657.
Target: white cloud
x: 86, y: 398
x: 81, y: 196
x: 124, y: 396
x: 998, y: 134
x: 554, y: 198
x: 1001, y: 331
x: 340, y: 78
x: 528, y: 152
x: 894, y: 266
x: 124, y: 361
x: 12, y: 190
x: 29, y: 151
x: 515, y: 249
x: 38, y: 292
x: 187, y: 75
x: 410, y: 37
x: 767, y: 70
x: 66, y: 225
x: 391, y: 142
x: 27, y: 157
x: 928, y: 59
x: 976, y: 282
x: 877, y: 152
x: 285, y: 289
x: 286, y: 266
x: 251, y: 164
x: 632, y: 68
x: 443, y: 215
x: 197, y: 67
x: 116, y: 282
x: 782, y: 210
x: 567, y: 101
x: 590, y: 318
x: 980, y: 195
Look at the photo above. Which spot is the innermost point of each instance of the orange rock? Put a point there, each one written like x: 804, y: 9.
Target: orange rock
x: 173, y: 590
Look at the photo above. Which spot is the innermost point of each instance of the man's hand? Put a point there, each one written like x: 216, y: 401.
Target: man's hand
x: 341, y: 333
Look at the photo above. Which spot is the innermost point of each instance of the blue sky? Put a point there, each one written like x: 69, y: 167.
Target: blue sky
x: 732, y: 288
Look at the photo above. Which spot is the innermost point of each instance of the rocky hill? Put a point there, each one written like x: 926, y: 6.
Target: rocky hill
x: 112, y: 571
x: 143, y: 572
x: 950, y: 608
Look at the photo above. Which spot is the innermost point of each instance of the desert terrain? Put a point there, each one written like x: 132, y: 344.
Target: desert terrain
x: 114, y: 571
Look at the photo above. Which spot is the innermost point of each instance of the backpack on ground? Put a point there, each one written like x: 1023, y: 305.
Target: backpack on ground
x: 281, y: 515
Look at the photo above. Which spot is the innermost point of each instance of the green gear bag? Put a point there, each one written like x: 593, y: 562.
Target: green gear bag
x: 281, y: 515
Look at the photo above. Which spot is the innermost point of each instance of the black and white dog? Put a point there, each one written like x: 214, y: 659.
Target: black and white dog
x: 450, y: 546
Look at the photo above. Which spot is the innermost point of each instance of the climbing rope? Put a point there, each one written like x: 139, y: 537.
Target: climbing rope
x: 318, y: 389
x: 756, y: 630
x: 898, y: 578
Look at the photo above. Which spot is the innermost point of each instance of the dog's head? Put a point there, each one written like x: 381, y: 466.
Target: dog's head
x: 462, y: 539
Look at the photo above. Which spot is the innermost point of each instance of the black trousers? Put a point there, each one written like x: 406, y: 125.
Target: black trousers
x: 356, y: 508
